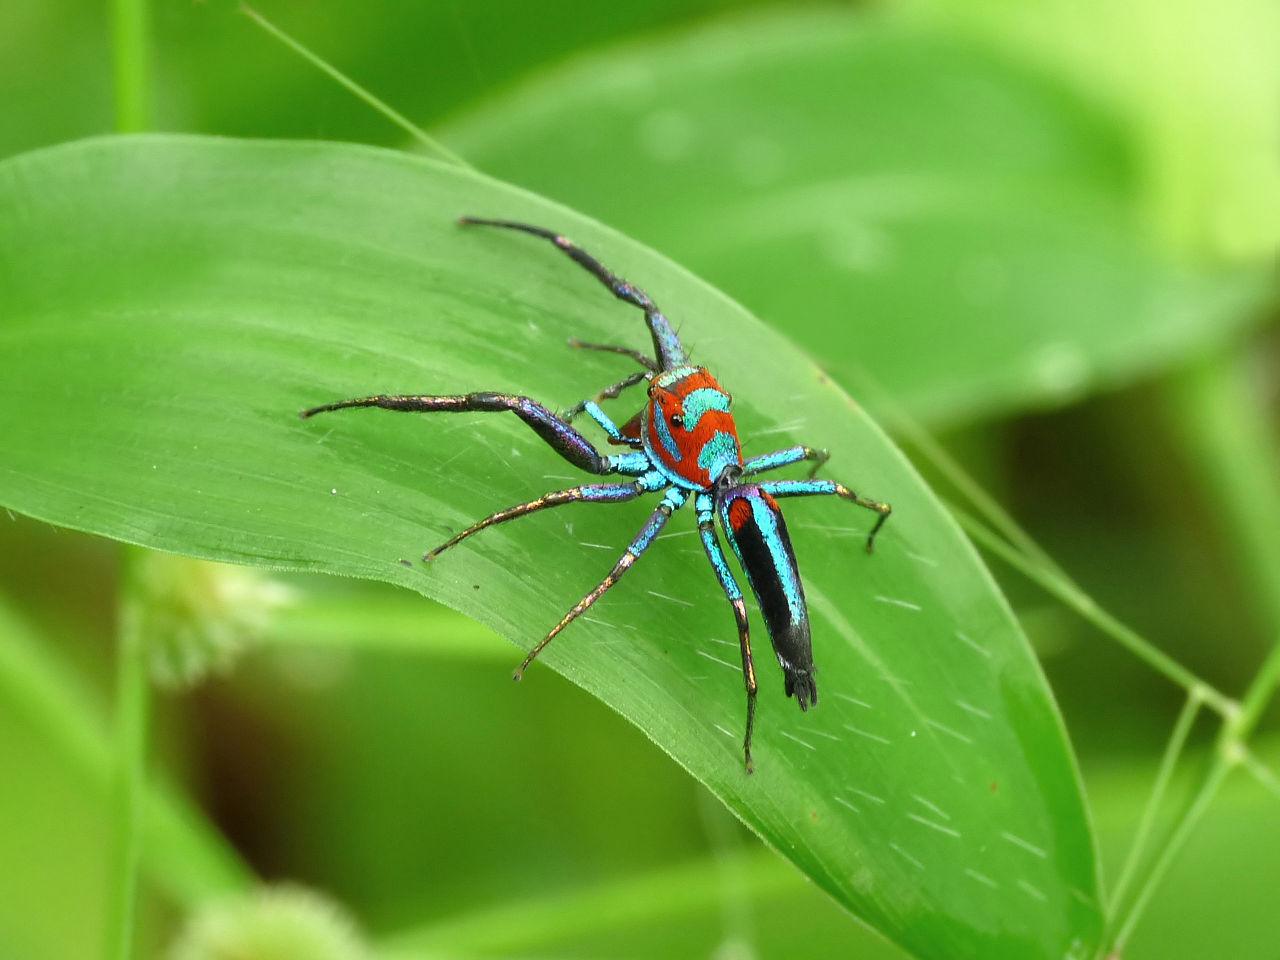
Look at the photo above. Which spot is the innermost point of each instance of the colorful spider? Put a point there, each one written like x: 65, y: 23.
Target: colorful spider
x: 683, y: 444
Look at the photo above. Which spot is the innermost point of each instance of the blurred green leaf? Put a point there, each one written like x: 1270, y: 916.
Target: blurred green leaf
x: 966, y: 229
x: 170, y: 303
x: 1196, y: 85
x: 216, y: 73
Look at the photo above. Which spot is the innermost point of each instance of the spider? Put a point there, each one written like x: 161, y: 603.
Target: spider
x: 683, y: 444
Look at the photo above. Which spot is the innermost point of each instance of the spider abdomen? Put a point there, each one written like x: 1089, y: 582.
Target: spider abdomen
x: 758, y: 535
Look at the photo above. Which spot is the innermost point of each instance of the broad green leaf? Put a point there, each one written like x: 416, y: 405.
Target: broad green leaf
x: 170, y: 303
x: 967, y: 231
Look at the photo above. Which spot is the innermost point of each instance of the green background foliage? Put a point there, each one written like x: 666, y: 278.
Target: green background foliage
x: 1054, y: 242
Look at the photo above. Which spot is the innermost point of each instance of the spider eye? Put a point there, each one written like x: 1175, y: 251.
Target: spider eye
x: 677, y: 421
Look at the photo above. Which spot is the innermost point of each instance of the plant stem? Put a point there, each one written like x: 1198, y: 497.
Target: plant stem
x: 1069, y: 593
x: 986, y: 505
x: 185, y: 856
x: 1204, y: 796
x: 1261, y: 772
x: 1178, y: 739
x: 132, y: 709
x: 1021, y: 552
x: 1260, y: 692
x: 404, y: 624
x: 133, y: 114
x: 399, y: 119
x: 1229, y: 751
x: 531, y: 925
x: 131, y: 66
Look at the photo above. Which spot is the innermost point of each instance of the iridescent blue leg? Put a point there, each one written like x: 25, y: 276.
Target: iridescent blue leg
x: 810, y: 488
x: 610, y: 392
x: 788, y: 455
x: 665, y: 342
x: 558, y: 434
x: 588, y: 493
x: 711, y: 543
x: 673, y: 501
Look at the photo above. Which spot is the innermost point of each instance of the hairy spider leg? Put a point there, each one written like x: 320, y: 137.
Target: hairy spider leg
x: 784, y: 457
x: 711, y: 543
x: 647, y: 362
x: 587, y: 493
x: 611, y: 392
x: 673, y: 501
x: 666, y: 344
x: 559, y: 435
x: 810, y: 488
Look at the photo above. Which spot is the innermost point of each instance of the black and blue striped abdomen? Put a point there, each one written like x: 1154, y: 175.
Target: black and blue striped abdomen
x: 753, y: 523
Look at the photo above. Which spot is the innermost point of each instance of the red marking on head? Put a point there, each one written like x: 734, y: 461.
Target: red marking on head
x: 668, y: 402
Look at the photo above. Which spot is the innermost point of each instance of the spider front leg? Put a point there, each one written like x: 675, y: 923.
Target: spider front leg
x: 647, y: 362
x: 666, y: 344
x: 711, y: 543
x: 673, y: 501
x: 810, y: 488
x: 611, y: 392
x: 784, y: 457
x: 556, y: 432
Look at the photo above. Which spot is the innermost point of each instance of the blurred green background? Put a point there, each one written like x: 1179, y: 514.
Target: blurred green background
x: 1045, y: 231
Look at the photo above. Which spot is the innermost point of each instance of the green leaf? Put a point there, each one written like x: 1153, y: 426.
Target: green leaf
x: 168, y: 304
x: 970, y: 232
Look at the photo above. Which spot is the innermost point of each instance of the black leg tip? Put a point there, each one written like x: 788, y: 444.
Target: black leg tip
x: 465, y: 221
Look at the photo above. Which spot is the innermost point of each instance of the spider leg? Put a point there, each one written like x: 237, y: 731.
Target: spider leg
x: 711, y: 543
x: 809, y: 488
x: 647, y: 362
x: 611, y: 392
x: 788, y: 455
x: 558, y: 434
x: 587, y: 493
x: 665, y: 342
x: 673, y: 501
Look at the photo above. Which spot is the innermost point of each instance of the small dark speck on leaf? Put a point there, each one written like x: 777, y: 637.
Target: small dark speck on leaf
x: 405, y: 563
x: 813, y: 815
x: 995, y: 787
x: 475, y: 586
